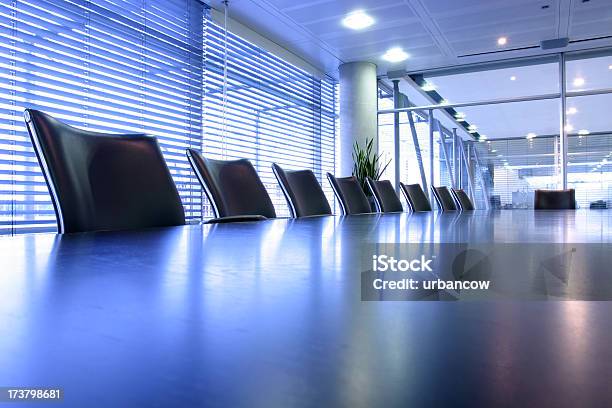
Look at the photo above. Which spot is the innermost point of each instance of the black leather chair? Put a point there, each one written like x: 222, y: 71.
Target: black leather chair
x: 302, y: 191
x: 555, y: 199
x: 416, y: 198
x: 233, y: 188
x: 103, y: 181
x: 444, y: 199
x: 463, y: 199
x: 350, y: 195
x: 384, y: 196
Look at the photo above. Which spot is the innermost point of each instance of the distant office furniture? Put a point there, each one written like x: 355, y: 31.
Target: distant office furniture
x: 444, y: 199
x: 302, y: 191
x: 233, y: 188
x: 416, y: 198
x: 495, y: 202
x: 385, y: 198
x: 598, y: 205
x: 102, y: 181
x: 350, y: 195
x: 555, y: 199
x: 462, y: 199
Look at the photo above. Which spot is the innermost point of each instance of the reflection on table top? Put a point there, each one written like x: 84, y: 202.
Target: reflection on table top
x: 269, y: 314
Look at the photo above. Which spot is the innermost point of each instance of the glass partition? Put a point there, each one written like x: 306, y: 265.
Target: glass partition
x: 508, y: 141
x: 510, y: 82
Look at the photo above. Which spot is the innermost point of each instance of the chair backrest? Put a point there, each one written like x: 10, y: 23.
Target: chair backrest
x: 555, y: 199
x: 303, y: 192
x: 444, y: 199
x: 103, y: 181
x: 232, y: 186
x: 384, y: 196
x: 463, y: 199
x: 416, y: 198
x: 350, y: 195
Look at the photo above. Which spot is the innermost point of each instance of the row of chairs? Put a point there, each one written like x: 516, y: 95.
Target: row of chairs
x: 353, y: 199
x: 236, y: 192
x: 103, y: 181
x: 109, y: 182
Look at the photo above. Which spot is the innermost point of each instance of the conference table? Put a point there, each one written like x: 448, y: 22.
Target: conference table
x: 269, y: 314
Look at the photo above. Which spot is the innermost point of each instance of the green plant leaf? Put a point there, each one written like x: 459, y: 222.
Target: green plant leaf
x: 366, y: 164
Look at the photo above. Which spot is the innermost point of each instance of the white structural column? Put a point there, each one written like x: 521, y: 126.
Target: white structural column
x: 358, y: 111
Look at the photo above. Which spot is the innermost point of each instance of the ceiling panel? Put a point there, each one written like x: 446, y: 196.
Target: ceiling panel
x: 333, y: 11
x: 392, y: 35
x: 591, y: 19
x: 476, y: 29
x: 435, y: 32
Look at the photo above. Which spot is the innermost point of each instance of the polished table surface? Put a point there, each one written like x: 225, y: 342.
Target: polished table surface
x: 269, y: 314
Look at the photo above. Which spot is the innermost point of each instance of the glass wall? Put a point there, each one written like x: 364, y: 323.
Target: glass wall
x: 510, y: 130
x: 590, y: 125
x: 414, y: 163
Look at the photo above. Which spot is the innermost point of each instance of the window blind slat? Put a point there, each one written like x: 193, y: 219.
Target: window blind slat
x: 120, y: 67
x: 275, y: 113
x: 156, y: 68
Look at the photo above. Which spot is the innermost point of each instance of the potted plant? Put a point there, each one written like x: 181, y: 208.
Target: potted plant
x: 366, y: 164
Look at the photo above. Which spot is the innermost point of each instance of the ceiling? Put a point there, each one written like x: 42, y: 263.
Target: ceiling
x: 436, y: 33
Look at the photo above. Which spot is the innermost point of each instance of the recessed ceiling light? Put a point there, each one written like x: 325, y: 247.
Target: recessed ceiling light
x: 428, y: 87
x: 493, y: 151
x: 472, y: 127
x: 513, y: 78
x: 609, y: 66
x: 459, y: 115
x: 395, y: 54
x: 583, y: 132
x: 531, y: 135
x: 572, y: 111
x: 578, y: 81
x: 502, y: 41
x: 443, y: 102
x: 357, y: 20
x: 569, y: 127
